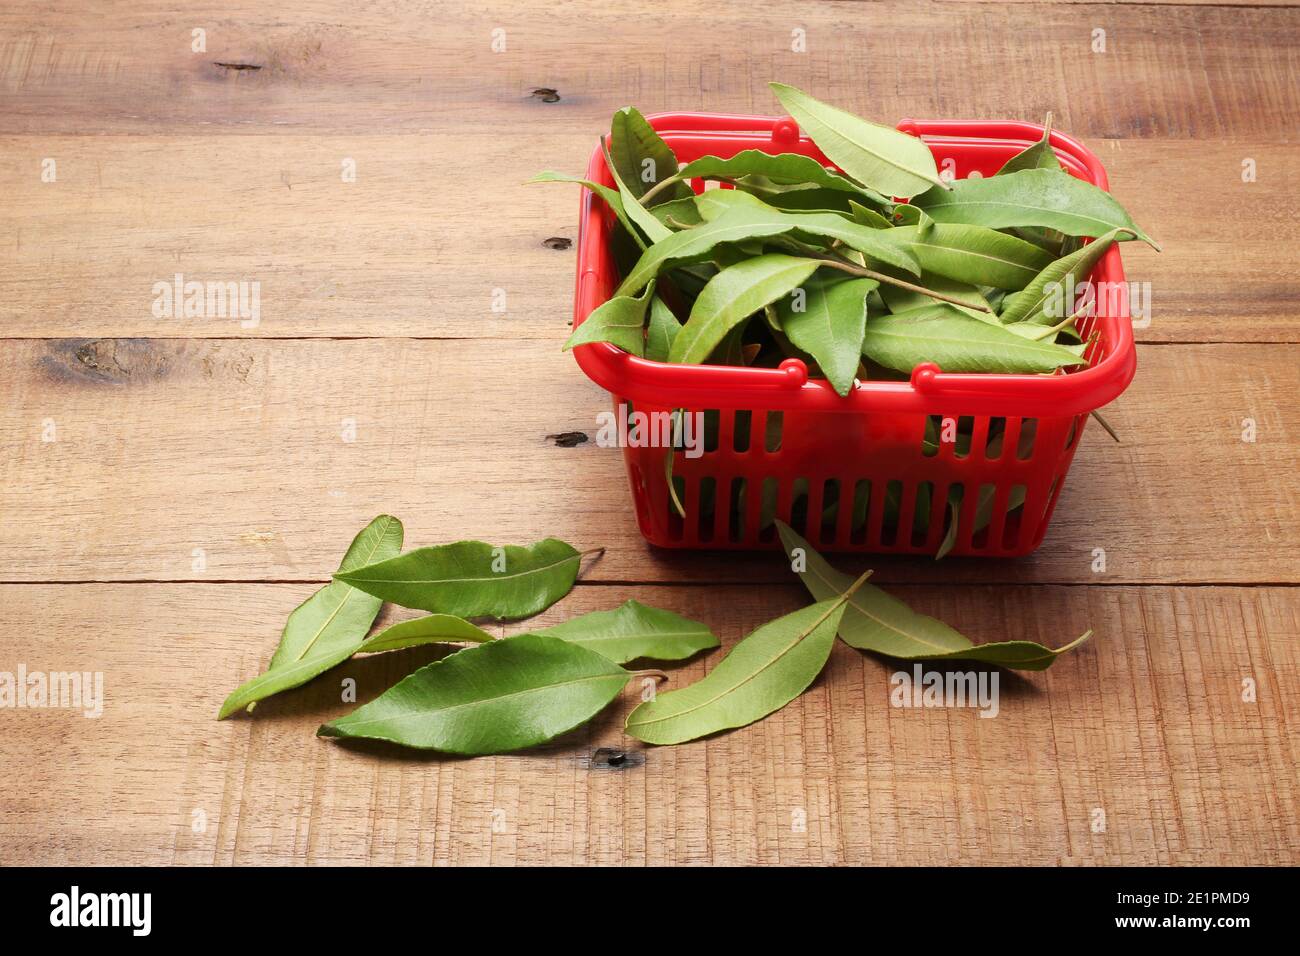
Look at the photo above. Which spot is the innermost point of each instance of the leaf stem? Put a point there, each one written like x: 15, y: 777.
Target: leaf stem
x: 588, y: 553
x: 852, y: 269
x: 658, y: 187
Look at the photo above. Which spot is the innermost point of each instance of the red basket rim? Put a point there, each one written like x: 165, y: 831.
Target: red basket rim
x: 789, y: 387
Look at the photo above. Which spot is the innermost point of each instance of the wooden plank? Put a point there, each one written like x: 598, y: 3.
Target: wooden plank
x: 435, y: 224
x: 212, y: 460
x: 329, y: 65
x: 1145, y: 723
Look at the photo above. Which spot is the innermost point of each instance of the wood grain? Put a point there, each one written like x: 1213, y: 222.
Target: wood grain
x: 238, y: 449
x: 1201, y: 72
x: 1145, y: 723
x: 435, y: 223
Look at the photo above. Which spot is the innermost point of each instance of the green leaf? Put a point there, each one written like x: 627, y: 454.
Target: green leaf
x: 653, y: 229
x: 634, y: 631
x: 619, y: 320
x: 1050, y: 198
x: 1042, y: 300
x: 692, y: 245
x: 434, y: 629
x: 879, y: 157
x: 661, y: 332
x: 474, y: 579
x: 956, y: 343
x: 733, y: 295
x: 973, y: 254
x: 876, y: 621
x: 1038, y: 156
x: 494, y: 698
x: 778, y: 168
x: 830, y: 325
x: 763, y: 673
x: 611, y: 197
x: 633, y: 141
x: 983, y: 508
x: 327, y: 628
x: 683, y: 212
x: 974, y: 303
x: 717, y: 203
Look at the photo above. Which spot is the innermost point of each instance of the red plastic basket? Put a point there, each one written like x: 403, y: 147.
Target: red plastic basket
x: 849, y: 472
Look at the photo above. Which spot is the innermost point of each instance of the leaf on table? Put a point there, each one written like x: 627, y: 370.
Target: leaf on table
x: 433, y: 629
x: 474, y: 579
x: 327, y: 628
x: 642, y: 158
x: 733, y: 295
x: 1042, y: 301
x: 956, y: 343
x: 828, y: 322
x: 619, y: 320
x: 764, y: 672
x: 1050, y: 198
x: 496, y: 697
x: 877, y: 621
x: 879, y: 157
x: 973, y: 254
x: 633, y: 631
x: 611, y: 197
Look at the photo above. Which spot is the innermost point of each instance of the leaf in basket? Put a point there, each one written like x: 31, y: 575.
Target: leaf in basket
x: 769, y: 668
x: 642, y: 159
x: 633, y: 631
x: 473, y: 578
x: 497, y: 697
x: 661, y: 332
x: 956, y: 343
x: 876, y: 621
x: 327, y: 628
x: 733, y: 203
x: 879, y: 157
x: 781, y: 169
x: 732, y: 296
x: 652, y: 228
x: 868, y: 217
x: 433, y: 629
x: 1043, y: 299
x: 828, y: 322
x: 983, y: 510
x: 619, y: 321
x: 678, y: 213
x: 973, y: 254
x: 697, y: 243
x: 972, y: 300
x: 1050, y: 198
x: 1040, y: 155
x: 611, y: 197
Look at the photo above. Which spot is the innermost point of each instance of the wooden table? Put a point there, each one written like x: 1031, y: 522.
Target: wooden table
x: 172, y: 487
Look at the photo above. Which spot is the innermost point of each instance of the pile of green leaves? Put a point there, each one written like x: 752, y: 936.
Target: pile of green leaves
x: 495, y: 695
x: 864, y: 271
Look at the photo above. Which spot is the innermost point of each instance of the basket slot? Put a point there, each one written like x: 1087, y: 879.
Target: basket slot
x: 676, y: 524
x: 736, y: 516
x: 794, y: 502
x: 706, y: 509
x: 815, y: 518
x: 713, y: 425
x: 1026, y: 438
x: 1015, y: 522
x: 773, y: 426
x: 765, y: 510
x: 976, y: 428
x: 922, y: 523
x: 997, y: 523
x: 859, y: 512
x: 741, y: 430
x: 994, y: 438
x: 892, y: 501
